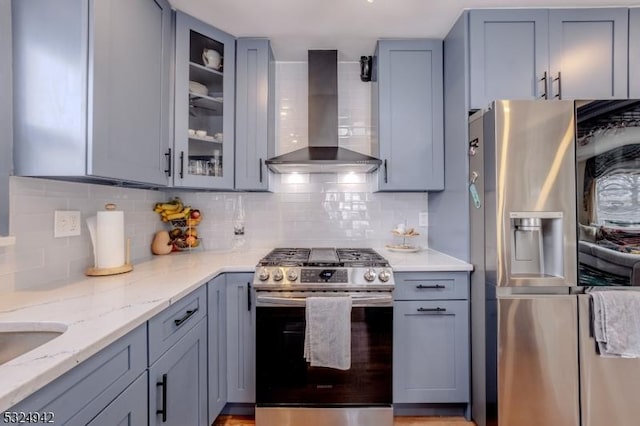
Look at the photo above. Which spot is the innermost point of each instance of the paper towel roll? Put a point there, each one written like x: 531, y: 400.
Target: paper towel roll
x: 108, y: 238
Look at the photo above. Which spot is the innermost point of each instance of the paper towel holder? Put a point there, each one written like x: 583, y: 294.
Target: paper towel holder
x: 100, y: 272
x: 127, y: 267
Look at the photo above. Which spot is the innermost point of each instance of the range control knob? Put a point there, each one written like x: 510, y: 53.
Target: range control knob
x: 278, y: 275
x: 384, y: 276
x: 292, y: 275
x: 370, y: 275
x: 263, y: 275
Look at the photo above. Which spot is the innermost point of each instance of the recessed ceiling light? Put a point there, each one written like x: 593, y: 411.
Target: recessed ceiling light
x: 369, y: 1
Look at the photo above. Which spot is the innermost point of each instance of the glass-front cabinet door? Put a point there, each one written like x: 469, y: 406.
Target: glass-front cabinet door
x: 204, y: 105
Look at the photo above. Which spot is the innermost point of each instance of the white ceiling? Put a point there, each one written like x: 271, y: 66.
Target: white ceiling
x: 351, y: 26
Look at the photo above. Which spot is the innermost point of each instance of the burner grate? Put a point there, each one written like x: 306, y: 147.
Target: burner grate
x: 286, y: 257
x: 342, y: 257
x: 361, y: 257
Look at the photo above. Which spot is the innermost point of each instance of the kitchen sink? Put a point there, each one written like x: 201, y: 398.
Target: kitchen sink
x: 17, y: 338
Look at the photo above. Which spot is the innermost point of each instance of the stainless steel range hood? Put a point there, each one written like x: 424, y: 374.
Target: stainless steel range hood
x: 323, y: 154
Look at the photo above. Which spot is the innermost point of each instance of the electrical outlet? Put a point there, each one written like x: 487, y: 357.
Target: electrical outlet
x: 423, y: 219
x: 66, y: 223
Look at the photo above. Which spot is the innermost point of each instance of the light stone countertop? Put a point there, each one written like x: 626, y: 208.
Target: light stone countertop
x: 99, y: 310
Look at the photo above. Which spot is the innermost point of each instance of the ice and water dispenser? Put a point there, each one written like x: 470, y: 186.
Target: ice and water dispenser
x: 537, y: 244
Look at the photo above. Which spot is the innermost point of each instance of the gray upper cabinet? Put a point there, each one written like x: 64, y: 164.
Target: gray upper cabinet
x: 91, y: 89
x: 588, y: 51
x: 255, y: 109
x: 407, y: 114
x: 508, y: 53
x: 634, y: 53
x: 204, y: 106
x: 547, y: 54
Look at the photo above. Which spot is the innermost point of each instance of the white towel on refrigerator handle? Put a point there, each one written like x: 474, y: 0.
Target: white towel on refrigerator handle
x: 616, y: 322
x: 327, y: 337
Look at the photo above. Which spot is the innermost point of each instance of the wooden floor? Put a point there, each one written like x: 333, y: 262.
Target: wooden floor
x: 398, y: 421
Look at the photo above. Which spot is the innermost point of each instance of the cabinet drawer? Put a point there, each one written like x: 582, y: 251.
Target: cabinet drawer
x: 166, y: 328
x: 431, y: 285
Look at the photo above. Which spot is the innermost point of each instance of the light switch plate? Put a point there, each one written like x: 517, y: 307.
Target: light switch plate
x: 423, y: 219
x: 66, y: 223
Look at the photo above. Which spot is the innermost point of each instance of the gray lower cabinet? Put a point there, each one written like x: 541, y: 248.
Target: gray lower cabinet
x: 407, y: 114
x: 128, y: 409
x: 431, y: 338
x: 547, y: 54
x: 241, y: 368
x: 255, y: 112
x: 634, y: 52
x: 91, y: 81
x: 217, y: 344
x: 178, y: 382
x: 178, y: 362
x: 90, y: 389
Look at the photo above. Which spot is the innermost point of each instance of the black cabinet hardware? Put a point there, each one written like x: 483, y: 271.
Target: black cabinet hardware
x: 181, y: 164
x: 438, y: 309
x: 249, y: 296
x: 168, y: 169
x: 544, y: 80
x: 386, y: 176
x: 260, y: 168
x: 559, y: 80
x: 422, y: 286
x: 186, y: 316
x: 163, y: 383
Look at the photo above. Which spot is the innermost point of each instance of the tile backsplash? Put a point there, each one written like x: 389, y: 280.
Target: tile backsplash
x: 308, y: 210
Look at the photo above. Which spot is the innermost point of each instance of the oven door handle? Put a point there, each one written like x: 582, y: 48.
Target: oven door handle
x: 366, y: 301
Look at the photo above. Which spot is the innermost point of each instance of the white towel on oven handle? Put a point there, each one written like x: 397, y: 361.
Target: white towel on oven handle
x: 327, y: 337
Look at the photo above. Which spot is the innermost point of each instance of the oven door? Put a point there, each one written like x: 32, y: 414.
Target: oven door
x: 284, y: 378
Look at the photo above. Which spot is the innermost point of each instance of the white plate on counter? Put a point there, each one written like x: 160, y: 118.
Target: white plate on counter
x: 403, y: 248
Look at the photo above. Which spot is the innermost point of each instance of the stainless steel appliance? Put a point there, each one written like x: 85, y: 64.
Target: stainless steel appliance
x: 533, y: 360
x: 289, y: 391
x: 323, y: 155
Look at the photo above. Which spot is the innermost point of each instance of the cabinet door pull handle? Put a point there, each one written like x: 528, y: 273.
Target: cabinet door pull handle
x: 422, y: 286
x: 438, y: 309
x: 181, y: 164
x: 386, y: 175
x: 178, y: 322
x: 249, y: 296
x: 559, y: 80
x: 544, y: 79
x: 168, y: 169
x: 163, y: 383
x: 260, y: 168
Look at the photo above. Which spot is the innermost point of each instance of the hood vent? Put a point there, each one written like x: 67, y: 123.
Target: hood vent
x: 323, y: 154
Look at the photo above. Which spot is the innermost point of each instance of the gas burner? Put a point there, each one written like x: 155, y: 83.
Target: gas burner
x: 286, y: 257
x: 362, y: 257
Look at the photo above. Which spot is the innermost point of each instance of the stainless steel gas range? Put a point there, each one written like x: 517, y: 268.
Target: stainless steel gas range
x: 289, y: 391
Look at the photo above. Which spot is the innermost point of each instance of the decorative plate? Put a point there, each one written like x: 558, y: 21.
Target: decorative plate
x: 403, y: 248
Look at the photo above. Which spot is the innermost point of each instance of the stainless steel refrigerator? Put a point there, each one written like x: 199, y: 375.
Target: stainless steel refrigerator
x: 533, y: 360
